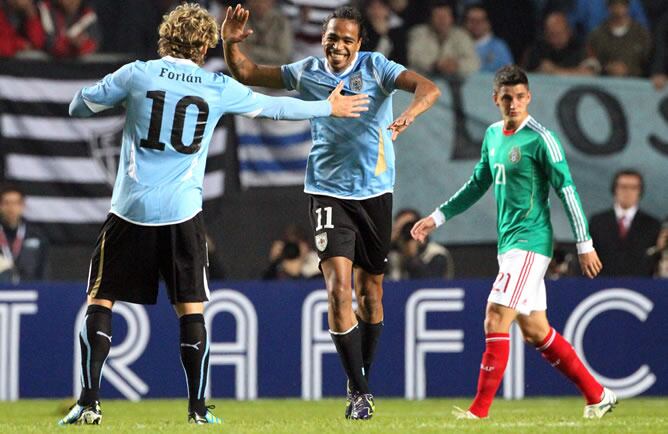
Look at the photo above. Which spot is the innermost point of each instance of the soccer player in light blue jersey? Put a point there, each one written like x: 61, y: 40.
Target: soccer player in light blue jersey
x: 349, y: 176
x: 155, y: 225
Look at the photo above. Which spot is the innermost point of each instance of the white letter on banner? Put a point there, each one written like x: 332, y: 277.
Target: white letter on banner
x: 316, y: 342
x: 116, y: 370
x: 611, y: 299
x: 242, y: 352
x: 420, y: 340
x: 13, y: 304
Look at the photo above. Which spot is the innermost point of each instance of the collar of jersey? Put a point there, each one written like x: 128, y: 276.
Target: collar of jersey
x: 179, y: 60
x: 345, y: 71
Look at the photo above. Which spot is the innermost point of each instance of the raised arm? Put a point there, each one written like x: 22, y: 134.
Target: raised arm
x: 233, y: 32
x: 426, y: 94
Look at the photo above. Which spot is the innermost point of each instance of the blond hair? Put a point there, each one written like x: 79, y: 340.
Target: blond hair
x: 185, y: 30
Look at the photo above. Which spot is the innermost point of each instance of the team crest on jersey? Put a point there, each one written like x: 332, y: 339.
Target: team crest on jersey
x: 105, y: 148
x: 356, y: 82
x: 515, y: 155
x: 321, y: 241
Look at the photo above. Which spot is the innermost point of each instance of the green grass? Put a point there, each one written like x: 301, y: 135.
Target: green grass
x: 393, y: 416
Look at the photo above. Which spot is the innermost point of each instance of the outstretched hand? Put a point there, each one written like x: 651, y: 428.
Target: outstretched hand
x: 347, y: 106
x: 422, y: 228
x: 233, y: 28
x: 400, y: 124
x: 590, y: 264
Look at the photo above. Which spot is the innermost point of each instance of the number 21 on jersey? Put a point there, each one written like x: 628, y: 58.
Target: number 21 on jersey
x: 500, y: 176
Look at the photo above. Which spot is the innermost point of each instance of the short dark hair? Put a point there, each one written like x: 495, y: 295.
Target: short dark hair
x: 11, y: 188
x: 347, y: 13
x: 510, y: 75
x: 473, y: 6
x: 627, y: 172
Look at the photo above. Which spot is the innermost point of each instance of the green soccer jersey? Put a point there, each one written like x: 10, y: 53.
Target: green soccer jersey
x: 522, y: 166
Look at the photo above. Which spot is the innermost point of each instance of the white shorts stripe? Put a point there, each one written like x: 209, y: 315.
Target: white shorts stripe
x: 525, y: 272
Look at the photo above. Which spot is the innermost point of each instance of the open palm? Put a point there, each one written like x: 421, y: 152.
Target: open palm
x: 233, y: 29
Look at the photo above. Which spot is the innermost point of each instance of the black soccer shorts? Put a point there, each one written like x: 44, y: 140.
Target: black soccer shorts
x: 359, y: 230
x: 128, y: 260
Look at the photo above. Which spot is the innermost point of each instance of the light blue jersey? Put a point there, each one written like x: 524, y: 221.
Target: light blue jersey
x: 351, y: 158
x: 172, y: 108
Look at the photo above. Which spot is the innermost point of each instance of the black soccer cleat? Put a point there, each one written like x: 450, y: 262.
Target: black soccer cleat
x: 363, y: 406
x: 208, y: 417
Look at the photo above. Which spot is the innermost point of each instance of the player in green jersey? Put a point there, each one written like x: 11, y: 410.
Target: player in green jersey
x: 522, y: 159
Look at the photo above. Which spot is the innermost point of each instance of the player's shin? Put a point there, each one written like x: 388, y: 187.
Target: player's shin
x: 95, y: 342
x: 195, y: 359
x: 492, y: 367
x: 561, y: 355
x: 349, y: 346
x: 369, y: 336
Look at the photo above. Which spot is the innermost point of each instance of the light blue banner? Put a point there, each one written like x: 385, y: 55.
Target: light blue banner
x: 604, y: 125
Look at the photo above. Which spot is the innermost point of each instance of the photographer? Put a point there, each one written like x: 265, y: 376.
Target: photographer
x: 409, y: 259
x: 292, y: 257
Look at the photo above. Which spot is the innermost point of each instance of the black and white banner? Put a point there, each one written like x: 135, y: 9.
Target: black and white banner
x: 67, y: 166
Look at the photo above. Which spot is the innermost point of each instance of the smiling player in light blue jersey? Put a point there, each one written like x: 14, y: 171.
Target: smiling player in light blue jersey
x: 349, y: 176
x: 155, y: 226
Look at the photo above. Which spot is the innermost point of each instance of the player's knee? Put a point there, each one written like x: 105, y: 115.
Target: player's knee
x: 340, y: 294
x: 534, y: 334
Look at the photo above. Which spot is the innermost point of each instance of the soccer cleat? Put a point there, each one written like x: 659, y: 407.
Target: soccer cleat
x: 460, y: 413
x: 363, y: 406
x: 597, y: 411
x: 194, y: 417
x: 349, y: 399
x: 83, y: 415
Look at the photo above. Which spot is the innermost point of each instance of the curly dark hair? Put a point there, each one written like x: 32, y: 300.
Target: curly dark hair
x: 347, y: 13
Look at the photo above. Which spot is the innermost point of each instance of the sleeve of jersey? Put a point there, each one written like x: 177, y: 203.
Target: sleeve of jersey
x: 386, y: 72
x: 292, y: 73
x: 551, y: 156
x: 472, y: 191
x: 105, y: 94
x: 243, y: 101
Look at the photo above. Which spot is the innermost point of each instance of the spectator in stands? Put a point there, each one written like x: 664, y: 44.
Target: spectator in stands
x: 402, y: 217
x: 620, y: 45
x: 411, y: 13
x: 440, y: 47
x: 662, y: 251
x: 136, y: 34
x: 492, y: 51
x: 23, y: 247
x: 410, y: 259
x: 659, y: 68
x: 71, y: 28
x: 385, y: 31
x: 558, y: 51
x: 514, y: 21
x: 624, y: 235
x: 561, y: 263
x: 292, y: 257
x: 20, y: 27
x: 272, y: 38
x: 586, y: 15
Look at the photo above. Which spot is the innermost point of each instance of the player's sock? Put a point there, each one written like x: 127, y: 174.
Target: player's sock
x: 349, y: 346
x: 370, y: 335
x: 195, y: 359
x: 95, y: 342
x: 494, y: 361
x: 561, y: 355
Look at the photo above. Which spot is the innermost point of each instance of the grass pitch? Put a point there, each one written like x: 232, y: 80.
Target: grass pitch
x: 393, y: 416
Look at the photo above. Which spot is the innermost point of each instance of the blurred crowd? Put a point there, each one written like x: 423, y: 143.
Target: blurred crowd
x: 436, y: 37
x: 624, y: 38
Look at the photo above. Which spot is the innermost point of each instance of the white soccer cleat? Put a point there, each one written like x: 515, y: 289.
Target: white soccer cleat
x: 597, y: 411
x: 460, y: 413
